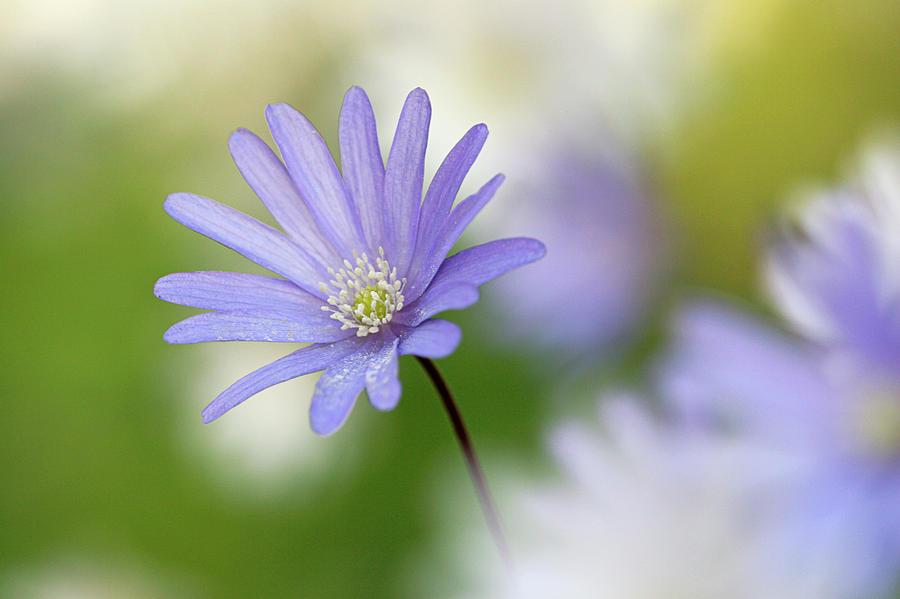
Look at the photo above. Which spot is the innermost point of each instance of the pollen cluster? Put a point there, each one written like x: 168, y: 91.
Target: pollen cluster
x: 363, y: 296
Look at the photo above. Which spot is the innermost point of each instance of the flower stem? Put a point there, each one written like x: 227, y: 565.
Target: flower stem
x: 474, y: 466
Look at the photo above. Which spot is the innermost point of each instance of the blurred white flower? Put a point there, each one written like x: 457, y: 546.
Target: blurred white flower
x: 175, y: 58
x: 521, y: 62
x: 639, y: 512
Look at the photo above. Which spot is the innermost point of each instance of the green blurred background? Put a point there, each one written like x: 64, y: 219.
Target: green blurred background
x: 110, y: 486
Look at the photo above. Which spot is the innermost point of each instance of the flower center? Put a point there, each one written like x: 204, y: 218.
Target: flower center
x: 877, y: 423
x: 364, y: 297
x: 371, y: 302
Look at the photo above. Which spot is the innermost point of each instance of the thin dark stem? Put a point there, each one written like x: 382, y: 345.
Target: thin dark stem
x: 475, y: 471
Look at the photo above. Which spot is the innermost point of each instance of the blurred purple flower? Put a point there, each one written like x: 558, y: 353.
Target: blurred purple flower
x: 363, y: 258
x: 829, y: 404
x: 839, y: 280
x: 591, y: 209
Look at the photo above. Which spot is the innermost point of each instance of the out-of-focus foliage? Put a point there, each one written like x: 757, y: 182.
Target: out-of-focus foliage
x: 790, y: 97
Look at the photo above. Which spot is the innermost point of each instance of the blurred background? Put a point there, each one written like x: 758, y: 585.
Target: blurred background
x: 649, y: 144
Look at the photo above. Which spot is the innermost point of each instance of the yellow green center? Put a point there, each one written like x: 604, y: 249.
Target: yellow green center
x: 878, y: 423
x: 365, y: 297
x: 371, y: 302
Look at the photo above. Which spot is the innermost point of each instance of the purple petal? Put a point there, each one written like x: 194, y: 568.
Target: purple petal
x: 362, y: 164
x: 316, y: 176
x: 450, y: 231
x: 266, y: 175
x: 445, y: 185
x: 338, y: 388
x: 433, y: 338
x: 257, y: 325
x: 449, y: 295
x: 247, y: 236
x: 230, y: 291
x: 303, y: 361
x: 726, y: 367
x: 480, y: 264
x: 382, y: 384
x: 403, y: 179
x: 832, y: 283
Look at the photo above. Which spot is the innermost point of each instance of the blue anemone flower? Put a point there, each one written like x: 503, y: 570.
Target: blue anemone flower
x: 829, y: 404
x: 363, y: 257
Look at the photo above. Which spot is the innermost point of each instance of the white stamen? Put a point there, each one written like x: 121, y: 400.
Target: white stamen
x: 359, y: 295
